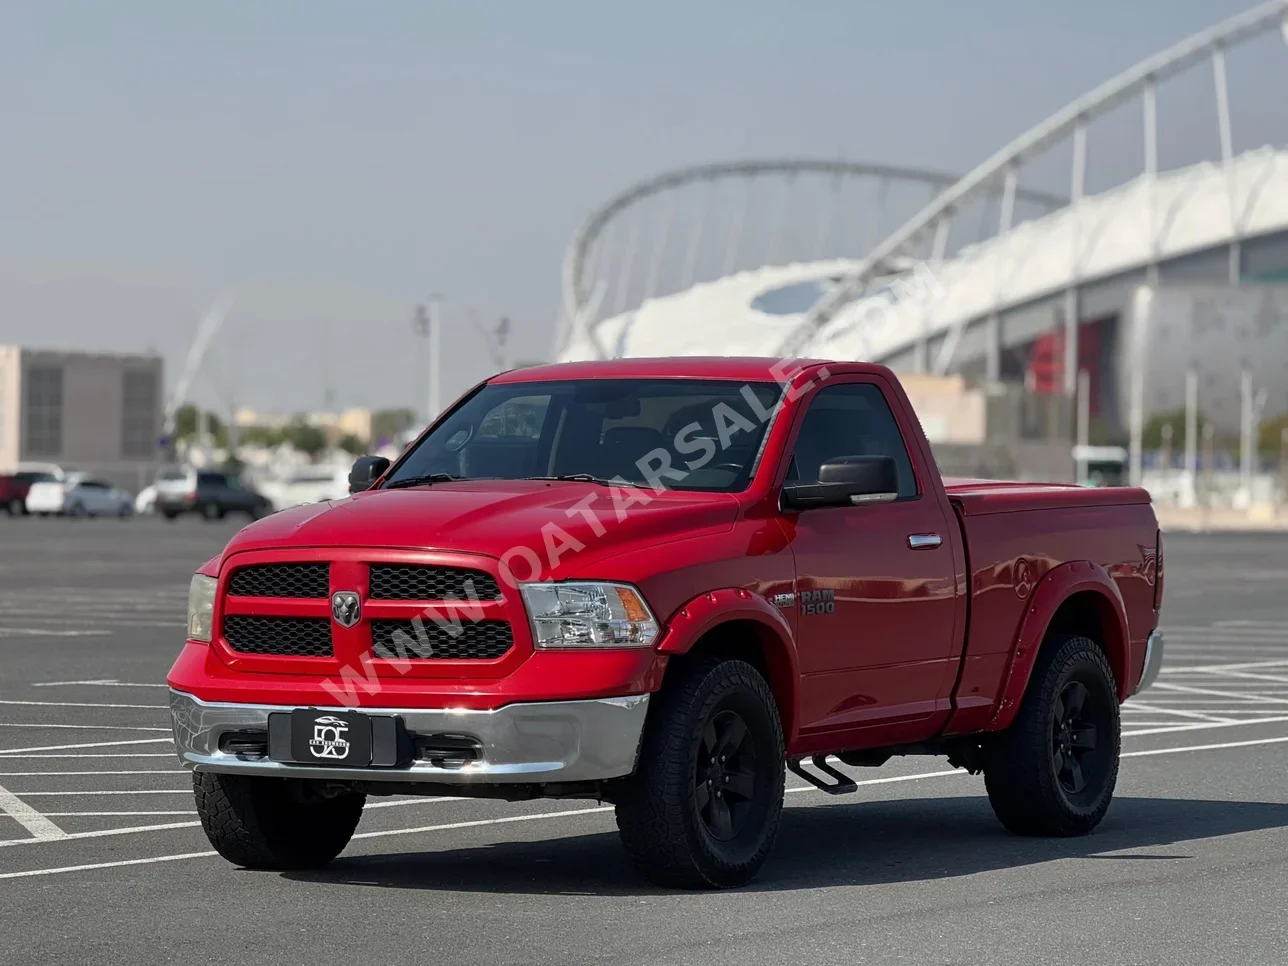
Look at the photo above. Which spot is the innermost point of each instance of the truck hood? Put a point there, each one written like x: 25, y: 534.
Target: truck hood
x: 584, y: 523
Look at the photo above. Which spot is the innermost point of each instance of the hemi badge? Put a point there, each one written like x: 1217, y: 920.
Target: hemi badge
x: 783, y: 600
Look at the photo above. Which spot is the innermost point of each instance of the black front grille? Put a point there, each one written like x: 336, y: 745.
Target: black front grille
x: 281, y: 580
x: 417, y: 582
x: 479, y: 640
x: 283, y: 636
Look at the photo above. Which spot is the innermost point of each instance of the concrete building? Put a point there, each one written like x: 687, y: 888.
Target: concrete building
x: 87, y: 411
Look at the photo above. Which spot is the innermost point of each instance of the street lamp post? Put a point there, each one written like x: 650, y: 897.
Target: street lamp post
x: 420, y: 329
x: 435, y: 356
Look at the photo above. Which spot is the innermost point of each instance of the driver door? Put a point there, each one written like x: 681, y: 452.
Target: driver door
x: 876, y: 609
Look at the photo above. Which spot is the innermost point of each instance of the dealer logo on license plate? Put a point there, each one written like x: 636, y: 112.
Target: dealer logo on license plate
x: 328, y: 739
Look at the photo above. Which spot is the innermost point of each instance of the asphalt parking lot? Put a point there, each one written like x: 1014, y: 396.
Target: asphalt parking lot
x: 102, y: 859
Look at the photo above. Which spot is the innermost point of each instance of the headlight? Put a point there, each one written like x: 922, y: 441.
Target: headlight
x: 201, y: 606
x: 584, y: 614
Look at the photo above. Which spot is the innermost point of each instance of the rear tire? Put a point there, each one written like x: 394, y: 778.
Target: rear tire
x: 703, y: 806
x: 212, y: 512
x: 1053, y: 771
x: 170, y: 515
x: 274, y: 823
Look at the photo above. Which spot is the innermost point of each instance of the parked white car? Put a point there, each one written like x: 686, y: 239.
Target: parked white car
x: 308, y: 484
x: 146, y: 501
x: 79, y: 495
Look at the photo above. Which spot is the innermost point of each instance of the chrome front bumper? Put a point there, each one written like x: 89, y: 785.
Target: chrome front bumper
x: 1153, y: 661
x: 546, y: 741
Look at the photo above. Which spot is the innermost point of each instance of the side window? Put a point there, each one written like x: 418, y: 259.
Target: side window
x: 851, y: 419
x: 520, y: 417
x: 506, y: 442
x: 211, y: 479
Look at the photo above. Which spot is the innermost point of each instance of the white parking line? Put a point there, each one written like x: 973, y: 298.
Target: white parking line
x: 1228, y: 744
x: 42, y: 828
x: 79, y: 704
x: 45, y: 632
x: 509, y: 819
x: 1203, y: 726
x: 1240, y: 695
x: 192, y: 811
x: 104, y: 683
x: 1208, y: 669
x: 102, y: 833
x: 83, y: 774
x: 78, y: 727
x: 80, y: 756
x: 108, y: 865
x: 1154, y: 708
x: 127, y: 791
x: 91, y: 744
x: 188, y: 811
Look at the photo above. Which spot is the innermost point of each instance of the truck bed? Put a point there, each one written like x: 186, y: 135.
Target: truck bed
x: 1016, y: 535
x: 978, y: 497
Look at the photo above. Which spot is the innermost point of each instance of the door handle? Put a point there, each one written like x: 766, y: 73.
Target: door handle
x: 924, y: 541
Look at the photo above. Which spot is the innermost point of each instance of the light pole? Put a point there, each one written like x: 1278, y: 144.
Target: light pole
x: 435, y: 356
x: 494, y: 340
x: 420, y: 329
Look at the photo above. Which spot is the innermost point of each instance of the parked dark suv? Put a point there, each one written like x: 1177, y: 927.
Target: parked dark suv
x: 211, y: 493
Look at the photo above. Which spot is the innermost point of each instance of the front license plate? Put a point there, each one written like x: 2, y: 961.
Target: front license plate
x: 341, y: 738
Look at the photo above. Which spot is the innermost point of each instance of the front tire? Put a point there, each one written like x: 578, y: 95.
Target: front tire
x: 703, y: 806
x: 16, y: 507
x: 1053, y: 771
x: 275, y: 823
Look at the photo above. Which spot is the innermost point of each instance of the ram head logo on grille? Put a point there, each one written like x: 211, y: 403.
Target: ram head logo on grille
x: 346, y: 608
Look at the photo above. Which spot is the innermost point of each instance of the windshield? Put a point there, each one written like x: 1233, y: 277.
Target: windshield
x: 681, y: 434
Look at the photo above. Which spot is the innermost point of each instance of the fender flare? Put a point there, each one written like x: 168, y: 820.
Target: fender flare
x: 1058, y: 585
x: 705, y: 612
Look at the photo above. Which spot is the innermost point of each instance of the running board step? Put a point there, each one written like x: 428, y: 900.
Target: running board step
x: 843, y: 785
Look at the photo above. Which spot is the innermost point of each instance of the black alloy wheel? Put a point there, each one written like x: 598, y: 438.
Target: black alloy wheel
x: 701, y: 810
x: 1073, y: 738
x: 1053, y: 771
x: 725, y: 777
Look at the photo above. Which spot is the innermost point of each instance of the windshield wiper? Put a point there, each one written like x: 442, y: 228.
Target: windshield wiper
x: 585, y: 478
x: 422, y: 480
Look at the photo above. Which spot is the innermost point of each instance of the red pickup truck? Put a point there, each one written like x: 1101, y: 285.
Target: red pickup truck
x: 654, y: 583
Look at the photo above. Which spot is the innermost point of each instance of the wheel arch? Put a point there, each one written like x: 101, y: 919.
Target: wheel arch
x: 1078, y: 597
x: 738, y: 623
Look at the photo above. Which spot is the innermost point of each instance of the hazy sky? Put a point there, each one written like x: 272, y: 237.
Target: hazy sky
x: 337, y: 162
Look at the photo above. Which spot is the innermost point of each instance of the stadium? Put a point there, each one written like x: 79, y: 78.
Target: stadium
x: 1016, y: 295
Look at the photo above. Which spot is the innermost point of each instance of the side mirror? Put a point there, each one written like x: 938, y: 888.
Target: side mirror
x: 366, y: 470
x: 845, y: 481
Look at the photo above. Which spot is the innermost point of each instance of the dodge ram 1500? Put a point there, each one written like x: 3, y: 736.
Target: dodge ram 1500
x: 662, y: 583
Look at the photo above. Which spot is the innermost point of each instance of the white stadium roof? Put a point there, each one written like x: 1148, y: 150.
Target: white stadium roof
x: 912, y: 289
x: 1145, y: 221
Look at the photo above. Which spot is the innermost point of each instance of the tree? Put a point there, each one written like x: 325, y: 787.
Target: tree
x: 261, y: 436
x: 186, y: 418
x: 1151, y: 436
x: 307, y: 439
x: 351, y: 444
x: 1270, y: 439
x: 387, y: 424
